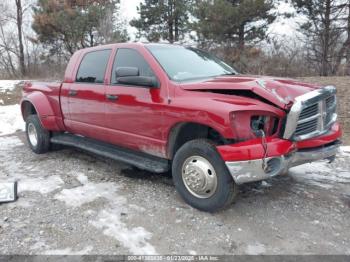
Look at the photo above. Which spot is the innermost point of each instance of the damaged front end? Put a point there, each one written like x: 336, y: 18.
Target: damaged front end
x: 308, y: 133
x: 281, y: 156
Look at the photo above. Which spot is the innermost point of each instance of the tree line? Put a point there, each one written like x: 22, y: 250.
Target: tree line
x: 235, y: 30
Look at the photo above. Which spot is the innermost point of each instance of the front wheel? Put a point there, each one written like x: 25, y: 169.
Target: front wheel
x: 201, y: 176
x: 38, y: 138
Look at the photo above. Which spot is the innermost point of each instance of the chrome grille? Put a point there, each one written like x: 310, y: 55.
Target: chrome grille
x: 309, y: 112
x: 307, y: 127
x: 331, y: 101
x: 313, y: 114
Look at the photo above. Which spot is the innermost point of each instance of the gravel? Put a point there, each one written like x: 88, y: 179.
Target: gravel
x: 71, y: 202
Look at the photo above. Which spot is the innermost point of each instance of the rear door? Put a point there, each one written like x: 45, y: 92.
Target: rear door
x: 86, y: 96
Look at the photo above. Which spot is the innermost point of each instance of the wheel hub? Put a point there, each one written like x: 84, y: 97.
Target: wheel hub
x: 199, y: 177
x: 32, y: 134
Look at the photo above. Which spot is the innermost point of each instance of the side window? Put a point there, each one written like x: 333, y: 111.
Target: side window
x: 130, y: 58
x: 93, y: 67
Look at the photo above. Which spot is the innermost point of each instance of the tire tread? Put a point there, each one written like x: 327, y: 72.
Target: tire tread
x: 207, y: 148
x: 43, y: 145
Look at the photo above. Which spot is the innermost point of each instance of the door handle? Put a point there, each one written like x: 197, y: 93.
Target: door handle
x: 112, y: 97
x: 72, y: 92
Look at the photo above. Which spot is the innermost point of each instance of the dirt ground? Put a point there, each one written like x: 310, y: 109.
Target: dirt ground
x: 71, y: 202
x: 74, y: 203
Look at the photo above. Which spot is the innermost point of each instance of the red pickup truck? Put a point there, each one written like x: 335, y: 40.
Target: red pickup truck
x: 164, y: 107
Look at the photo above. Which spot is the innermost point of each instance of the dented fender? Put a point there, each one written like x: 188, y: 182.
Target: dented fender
x: 253, y: 149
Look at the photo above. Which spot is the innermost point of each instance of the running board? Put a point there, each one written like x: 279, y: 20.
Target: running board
x: 138, y: 159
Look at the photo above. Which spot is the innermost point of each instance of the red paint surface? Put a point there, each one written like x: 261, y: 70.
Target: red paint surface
x: 334, y: 134
x: 142, y: 118
x: 253, y: 149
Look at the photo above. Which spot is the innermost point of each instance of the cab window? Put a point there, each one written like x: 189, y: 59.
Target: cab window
x: 130, y: 58
x: 93, y: 67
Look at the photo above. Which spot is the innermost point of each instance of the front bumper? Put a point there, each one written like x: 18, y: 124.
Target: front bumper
x: 252, y: 170
x: 245, y: 160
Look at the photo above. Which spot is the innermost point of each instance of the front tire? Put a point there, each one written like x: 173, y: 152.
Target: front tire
x: 201, y: 176
x: 38, y: 138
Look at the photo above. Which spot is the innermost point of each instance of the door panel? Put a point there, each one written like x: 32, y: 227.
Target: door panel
x: 85, y: 97
x: 135, y: 119
x: 86, y: 109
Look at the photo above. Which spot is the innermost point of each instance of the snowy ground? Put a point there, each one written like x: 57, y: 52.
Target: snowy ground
x: 74, y: 203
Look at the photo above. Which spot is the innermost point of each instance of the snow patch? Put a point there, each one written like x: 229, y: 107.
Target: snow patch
x: 29, y: 179
x: 8, y: 165
x: 40, y: 184
x: 135, y: 239
x: 68, y: 251
x: 109, y: 218
x: 255, y: 249
x: 11, y: 119
x: 39, y: 245
x: 88, y: 192
x: 320, y: 174
x: 83, y: 179
x: 8, y: 84
x: 345, y: 150
x: 7, y: 143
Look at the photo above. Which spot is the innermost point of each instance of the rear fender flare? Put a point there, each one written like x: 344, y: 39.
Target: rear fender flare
x: 43, y: 109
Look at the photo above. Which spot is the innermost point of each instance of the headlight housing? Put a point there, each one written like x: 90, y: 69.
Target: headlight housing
x: 268, y: 124
x: 248, y: 124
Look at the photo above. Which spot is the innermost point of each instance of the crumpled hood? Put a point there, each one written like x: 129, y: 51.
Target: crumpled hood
x: 279, y: 91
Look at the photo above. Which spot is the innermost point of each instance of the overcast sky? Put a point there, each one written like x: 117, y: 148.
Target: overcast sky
x: 280, y: 27
x: 129, y: 11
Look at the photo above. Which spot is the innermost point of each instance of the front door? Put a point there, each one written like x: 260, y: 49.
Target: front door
x: 134, y: 113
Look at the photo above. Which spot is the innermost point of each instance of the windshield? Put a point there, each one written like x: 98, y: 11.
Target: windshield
x: 186, y: 63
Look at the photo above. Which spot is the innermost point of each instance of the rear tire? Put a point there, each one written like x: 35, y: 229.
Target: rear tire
x: 38, y: 138
x: 201, y: 176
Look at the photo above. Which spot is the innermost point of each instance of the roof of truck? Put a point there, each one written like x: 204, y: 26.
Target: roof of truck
x: 129, y: 44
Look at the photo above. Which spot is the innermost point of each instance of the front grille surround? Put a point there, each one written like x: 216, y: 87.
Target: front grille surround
x: 312, y: 114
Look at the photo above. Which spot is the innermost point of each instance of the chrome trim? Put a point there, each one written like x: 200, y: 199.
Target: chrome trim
x: 199, y: 177
x: 314, y: 97
x: 311, y: 155
x: 309, y: 118
x: 252, y: 170
x: 32, y: 135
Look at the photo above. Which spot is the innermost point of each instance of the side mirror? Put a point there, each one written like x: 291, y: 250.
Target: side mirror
x: 142, y: 81
x: 131, y: 76
x: 126, y: 71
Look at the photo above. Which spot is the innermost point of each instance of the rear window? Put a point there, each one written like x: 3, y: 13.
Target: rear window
x: 93, y: 67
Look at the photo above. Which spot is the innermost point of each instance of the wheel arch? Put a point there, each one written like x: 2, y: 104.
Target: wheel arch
x: 38, y: 103
x: 27, y: 109
x: 183, y: 132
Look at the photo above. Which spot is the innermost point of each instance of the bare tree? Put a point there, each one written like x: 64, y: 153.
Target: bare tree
x: 7, y: 43
x: 19, y: 22
x: 347, y: 42
x: 323, y: 32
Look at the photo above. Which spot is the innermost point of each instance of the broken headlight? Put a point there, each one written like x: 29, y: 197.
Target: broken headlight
x: 268, y: 124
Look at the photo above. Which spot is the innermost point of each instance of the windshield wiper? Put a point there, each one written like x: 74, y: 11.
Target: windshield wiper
x: 229, y: 74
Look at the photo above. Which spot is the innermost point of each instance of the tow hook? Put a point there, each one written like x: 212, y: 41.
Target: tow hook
x: 261, y: 133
